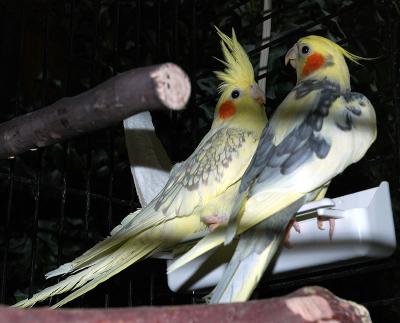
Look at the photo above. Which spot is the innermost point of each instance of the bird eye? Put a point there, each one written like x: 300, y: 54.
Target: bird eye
x: 305, y: 50
x: 236, y: 93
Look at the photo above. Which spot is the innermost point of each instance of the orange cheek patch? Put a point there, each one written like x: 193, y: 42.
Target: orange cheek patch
x: 227, y: 109
x: 313, y: 62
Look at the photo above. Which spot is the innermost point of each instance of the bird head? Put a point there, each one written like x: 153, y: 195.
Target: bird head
x: 241, y: 97
x: 318, y: 57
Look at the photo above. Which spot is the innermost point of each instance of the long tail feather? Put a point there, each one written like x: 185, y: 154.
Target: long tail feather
x: 209, y: 242
x: 132, y: 225
x: 261, y: 209
x: 95, y: 273
x: 254, y: 252
x: 234, y: 218
x: 105, y: 247
x: 118, y: 265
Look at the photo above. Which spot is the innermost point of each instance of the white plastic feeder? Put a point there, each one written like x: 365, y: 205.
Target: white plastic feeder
x: 364, y: 230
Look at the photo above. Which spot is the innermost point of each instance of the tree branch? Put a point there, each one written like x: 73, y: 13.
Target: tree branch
x: 134, y: 91
x: 306, y: 305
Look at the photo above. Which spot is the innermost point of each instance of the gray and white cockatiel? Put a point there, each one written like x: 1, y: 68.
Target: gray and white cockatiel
x: 317, y: 131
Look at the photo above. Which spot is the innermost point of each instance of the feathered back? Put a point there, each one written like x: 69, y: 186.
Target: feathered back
x: 239, y: 71
x: 352, y: 57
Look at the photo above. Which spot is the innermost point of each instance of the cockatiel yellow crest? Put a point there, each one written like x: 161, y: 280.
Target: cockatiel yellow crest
x: 317, y: 131
x: 238, y: 88
x: 239, y: 71
x: 196, y: 195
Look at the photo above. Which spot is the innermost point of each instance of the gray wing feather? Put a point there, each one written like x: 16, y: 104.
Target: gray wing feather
x: 301, y: 144
x: 354, y: 102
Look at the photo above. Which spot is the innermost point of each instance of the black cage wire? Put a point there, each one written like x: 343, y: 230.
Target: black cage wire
x: 57, y: 201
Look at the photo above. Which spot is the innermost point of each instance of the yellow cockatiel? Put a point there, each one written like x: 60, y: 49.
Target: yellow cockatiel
x: 318, y: 130
x: 196, y: 195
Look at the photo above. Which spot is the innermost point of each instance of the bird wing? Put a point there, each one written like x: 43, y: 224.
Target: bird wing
x: 292, y: 139
x: 258, y: 245
x: 299, y: 158
x: 335, y: 131
x: 217, y: 163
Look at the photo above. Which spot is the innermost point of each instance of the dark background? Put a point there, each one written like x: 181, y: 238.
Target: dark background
x: 58, y: 201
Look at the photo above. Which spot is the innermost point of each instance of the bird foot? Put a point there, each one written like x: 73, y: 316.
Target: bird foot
x: 320, y: 223
x: 213, y: 221
x: 292, y: 223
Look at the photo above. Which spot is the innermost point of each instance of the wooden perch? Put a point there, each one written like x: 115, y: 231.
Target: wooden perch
x: 309, y: 304
x: 134, y: 91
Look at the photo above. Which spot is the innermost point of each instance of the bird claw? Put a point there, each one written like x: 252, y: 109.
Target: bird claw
x: 320, y: 223
x: 292, y: 223
x: 296, y: 226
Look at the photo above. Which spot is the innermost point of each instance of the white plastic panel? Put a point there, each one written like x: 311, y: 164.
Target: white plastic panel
x: 364, y: 230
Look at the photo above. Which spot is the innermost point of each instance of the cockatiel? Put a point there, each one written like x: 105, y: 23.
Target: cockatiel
x: 317, y: 131
x: 196, y: 194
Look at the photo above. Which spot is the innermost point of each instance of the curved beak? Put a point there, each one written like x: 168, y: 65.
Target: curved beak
x: 257, y: 94
x: 291, y: 56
